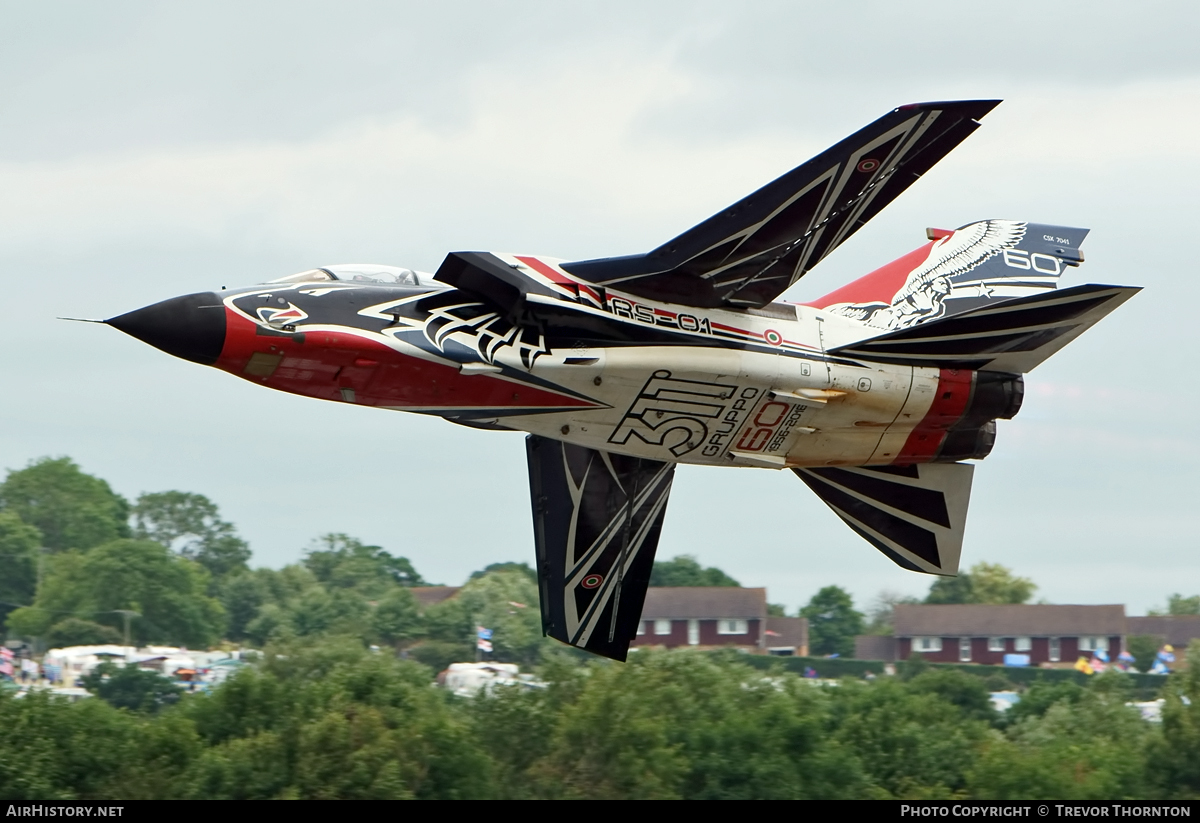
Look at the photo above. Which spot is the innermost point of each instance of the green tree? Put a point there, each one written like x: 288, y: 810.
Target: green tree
x: 912, y: 668
x: 128, y: 687
x: 670, y: 725
x: 54, y: 750
x: 685, y: 570
x: 945, y: 590
x: 340, y: 611
x: 524, y: 568
x: 191, y: 525
x: 328, y: 720
x: 397, y: 619
x: 503, y: 601
x: 18, y: 563
x: 1178, y: 604
x: 912, y: 743
x: 286, y: 585
x: 72, y: 510
x: 265, y: 603
x: 1090, y: 748
x: 242, y: 596
x: 968, y: 693
x: 76, y: 632
x: 515, y: 728
x: 1175, y: 761
x: 439, y: 654
x: 832, y: 621
x: 1144, y: 648
x: 1038, y: 698
x: 993, y: 583
x: 984, y: 583
x: 272, y: 623
x: 143, y: 576
x: 342, y: 562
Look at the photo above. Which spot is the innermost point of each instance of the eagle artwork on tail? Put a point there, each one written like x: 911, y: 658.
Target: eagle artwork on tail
x: 923, y: 296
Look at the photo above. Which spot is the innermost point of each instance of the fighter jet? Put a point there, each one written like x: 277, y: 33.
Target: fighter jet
x: 619, y: 369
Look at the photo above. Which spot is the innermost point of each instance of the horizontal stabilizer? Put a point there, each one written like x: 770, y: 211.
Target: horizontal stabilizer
x: 596, y: 521
x: 915, y: 515
x: 1012, y: 336
x: 747, y: 254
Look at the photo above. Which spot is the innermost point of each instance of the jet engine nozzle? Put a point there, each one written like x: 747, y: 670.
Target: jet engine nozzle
x: 191, y: 327
x: 968, y: 444
x: 996, y: 395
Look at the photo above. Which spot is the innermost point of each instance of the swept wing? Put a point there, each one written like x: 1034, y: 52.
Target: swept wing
x: 749, y: 253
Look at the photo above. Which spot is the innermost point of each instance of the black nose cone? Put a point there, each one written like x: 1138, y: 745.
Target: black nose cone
x: 191, y: 327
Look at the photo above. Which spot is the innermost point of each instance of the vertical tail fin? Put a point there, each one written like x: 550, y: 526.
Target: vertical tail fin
x: 596, y: 521
x: 958, y: 271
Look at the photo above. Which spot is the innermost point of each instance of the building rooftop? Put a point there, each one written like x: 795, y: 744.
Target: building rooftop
x: 704, y: 603
x: 1176, y: 629
x: 428, y: 595
x: 1018, y: 620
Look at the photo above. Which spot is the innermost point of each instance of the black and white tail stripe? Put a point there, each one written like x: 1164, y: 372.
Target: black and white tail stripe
x: 915, y: 515
x: 1012, y: 336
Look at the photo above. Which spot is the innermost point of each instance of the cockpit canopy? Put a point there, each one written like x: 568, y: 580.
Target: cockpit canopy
x: 366, y: 273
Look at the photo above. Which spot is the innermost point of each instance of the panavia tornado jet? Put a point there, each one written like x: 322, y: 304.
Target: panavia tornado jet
x: 621, y: 368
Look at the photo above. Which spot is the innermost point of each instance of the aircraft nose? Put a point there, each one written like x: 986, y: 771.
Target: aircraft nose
x: 191, y: 327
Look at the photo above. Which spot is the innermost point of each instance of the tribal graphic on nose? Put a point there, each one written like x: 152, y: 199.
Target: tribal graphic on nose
x: 281, y: 315
x: 485, y: 331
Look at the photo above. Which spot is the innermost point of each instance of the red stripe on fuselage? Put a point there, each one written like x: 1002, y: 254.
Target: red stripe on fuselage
x: 880, y: 286
x: 723, y: 327
x: 547, y: 271
x: 322, y: 364
x: 948, y: 407
x: 592, y: 293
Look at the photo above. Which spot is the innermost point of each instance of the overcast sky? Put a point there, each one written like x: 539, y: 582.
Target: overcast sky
x: 155, y: 149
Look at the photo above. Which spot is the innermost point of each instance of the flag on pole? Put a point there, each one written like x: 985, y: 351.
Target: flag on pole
x: 482, y: 633
x: 484, y: 645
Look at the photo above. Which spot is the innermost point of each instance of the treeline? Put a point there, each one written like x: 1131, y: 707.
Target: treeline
x: 332, y: 720
x: 79, y: 564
